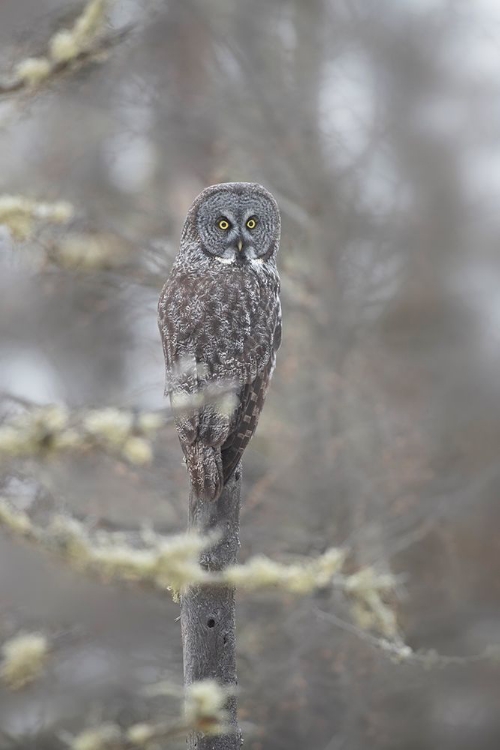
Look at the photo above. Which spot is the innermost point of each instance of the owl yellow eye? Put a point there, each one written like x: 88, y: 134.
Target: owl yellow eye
x: 223, y: 224
x: 251, y: 223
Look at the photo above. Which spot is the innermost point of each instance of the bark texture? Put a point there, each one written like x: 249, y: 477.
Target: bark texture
x: 208, y: 613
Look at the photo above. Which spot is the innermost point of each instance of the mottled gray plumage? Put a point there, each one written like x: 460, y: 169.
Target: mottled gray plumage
x: 220, y: 324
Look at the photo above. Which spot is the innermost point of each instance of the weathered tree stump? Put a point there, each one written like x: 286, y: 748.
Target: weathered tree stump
x: 208, y: 612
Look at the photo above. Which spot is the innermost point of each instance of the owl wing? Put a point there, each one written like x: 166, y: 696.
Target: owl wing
x: 212, y: 437
x: 251, y: 402
x: 185, y: 384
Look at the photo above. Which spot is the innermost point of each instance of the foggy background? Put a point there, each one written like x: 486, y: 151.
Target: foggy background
x: 377, y: 128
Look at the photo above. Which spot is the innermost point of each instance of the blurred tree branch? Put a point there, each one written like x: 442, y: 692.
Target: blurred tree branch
x: 67, y: 50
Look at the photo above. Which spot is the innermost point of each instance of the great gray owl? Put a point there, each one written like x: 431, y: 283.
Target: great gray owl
x: 220, y: 324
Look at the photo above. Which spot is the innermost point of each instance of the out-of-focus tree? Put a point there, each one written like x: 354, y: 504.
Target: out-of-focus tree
x: 376, y: 126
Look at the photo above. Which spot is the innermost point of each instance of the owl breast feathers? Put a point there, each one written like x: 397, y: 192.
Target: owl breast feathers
x: 220, y: 324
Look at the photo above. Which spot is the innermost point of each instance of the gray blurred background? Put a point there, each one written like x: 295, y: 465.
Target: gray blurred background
x: 377, y: 128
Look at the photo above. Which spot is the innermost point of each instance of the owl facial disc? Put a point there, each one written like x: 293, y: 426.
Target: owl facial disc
x: 237, y: 223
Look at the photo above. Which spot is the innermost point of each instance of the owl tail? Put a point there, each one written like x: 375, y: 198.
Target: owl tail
x: 204, y: 465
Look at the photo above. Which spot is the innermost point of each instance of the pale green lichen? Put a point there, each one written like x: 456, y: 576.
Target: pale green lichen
x: 12, y: 441
x: 104, y: 737
x: 149, y: 423
x: 141, y: 734
x: 65, y: 47
x: 205, y: 704
x: 226, y: 404
x: 20, y: 214
x: 33, y: 70
x: 89, y: 23
x: 261, y: 572
x: 110, y: 424
x: 204, y: 712
x: 366, y: 589
x: 166, y: 563
x: 15, y: 520
x: 32, y: 433
x: 24, y: 659
x: 44, y: 432
x: 138, y: 451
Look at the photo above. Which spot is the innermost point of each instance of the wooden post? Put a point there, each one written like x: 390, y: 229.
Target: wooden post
x: 208, y: 613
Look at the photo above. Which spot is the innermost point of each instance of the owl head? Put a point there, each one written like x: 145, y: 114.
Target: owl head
x: 234, y: 223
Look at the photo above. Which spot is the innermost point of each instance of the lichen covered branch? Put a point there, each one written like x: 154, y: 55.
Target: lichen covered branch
x: 173, y: 563
x: 68, y: 49
x: 45, y: 432
x: 20, y: 214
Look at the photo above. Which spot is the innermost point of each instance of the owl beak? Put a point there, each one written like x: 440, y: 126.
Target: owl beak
x: 240, y: 245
